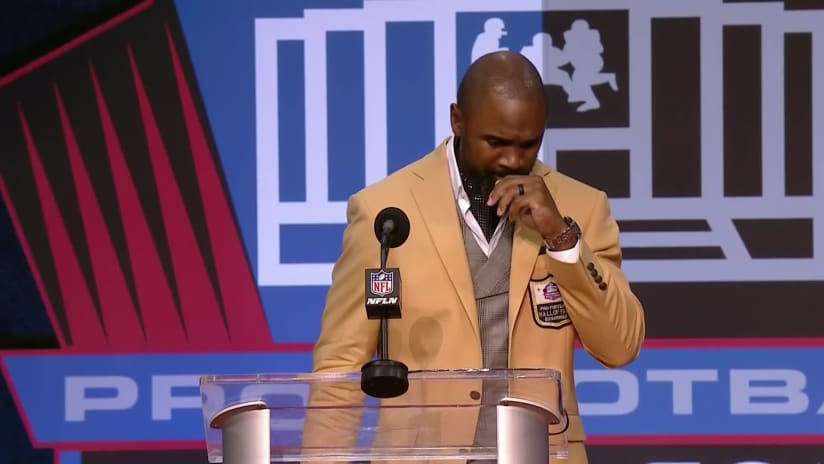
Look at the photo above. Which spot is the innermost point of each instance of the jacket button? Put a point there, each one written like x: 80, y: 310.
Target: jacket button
x: 598, y: 279
x: 475, y: 395
x: 593, y: 272
x: 590, y: 266
x: 602, y: 285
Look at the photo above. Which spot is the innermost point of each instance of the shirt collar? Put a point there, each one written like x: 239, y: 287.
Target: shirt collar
x: 461, y: 197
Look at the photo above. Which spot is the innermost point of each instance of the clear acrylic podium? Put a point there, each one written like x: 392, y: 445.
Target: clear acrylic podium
x: 514, y: 416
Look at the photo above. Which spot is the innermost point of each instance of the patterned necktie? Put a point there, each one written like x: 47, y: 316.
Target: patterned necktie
x: 478, y: 189
x: 478, y: 193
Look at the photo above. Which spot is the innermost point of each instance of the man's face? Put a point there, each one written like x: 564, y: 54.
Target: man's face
x: 499, y: 136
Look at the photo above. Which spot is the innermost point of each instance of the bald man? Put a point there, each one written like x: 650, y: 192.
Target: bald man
x: 508, y: 263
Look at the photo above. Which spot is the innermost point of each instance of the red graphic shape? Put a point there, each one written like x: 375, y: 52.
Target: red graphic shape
x: 122, y: 327
x: 161, y: 320
x: 246, y: 321
x: 84, y: 324
x: 201, y: 314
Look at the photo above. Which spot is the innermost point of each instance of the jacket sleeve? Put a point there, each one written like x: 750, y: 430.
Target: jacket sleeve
x: 606, y: 314
x: 347, y: 338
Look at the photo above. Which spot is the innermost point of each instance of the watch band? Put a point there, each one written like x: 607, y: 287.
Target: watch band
x: 566, y: 236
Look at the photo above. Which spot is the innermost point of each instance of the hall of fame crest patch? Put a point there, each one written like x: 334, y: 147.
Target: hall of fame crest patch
x: 548, y: 308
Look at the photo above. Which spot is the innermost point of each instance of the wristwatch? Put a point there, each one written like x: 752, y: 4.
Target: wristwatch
x: 567, y: 238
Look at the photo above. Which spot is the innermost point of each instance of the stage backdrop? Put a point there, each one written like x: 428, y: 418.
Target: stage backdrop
x: 177, y: 179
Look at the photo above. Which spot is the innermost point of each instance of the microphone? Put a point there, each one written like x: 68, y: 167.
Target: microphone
x: 384, y: 377
x: 391, y: 229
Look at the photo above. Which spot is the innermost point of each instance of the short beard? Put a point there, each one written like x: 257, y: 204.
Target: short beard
x: 478, y: 183
x: 474, y: 181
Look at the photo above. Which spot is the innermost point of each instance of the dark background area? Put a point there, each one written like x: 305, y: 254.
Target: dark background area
x: 28, y: 29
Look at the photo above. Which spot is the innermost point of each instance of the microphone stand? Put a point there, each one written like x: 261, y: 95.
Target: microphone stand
x: 384, y: 377
x: 387, y: 231
x: 385, y: 240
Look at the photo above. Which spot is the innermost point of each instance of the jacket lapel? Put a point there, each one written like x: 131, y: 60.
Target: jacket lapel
x: 436, y: 202
x: 526, y: 244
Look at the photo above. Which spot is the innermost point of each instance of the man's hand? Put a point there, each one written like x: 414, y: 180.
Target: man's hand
x: 527, y: 198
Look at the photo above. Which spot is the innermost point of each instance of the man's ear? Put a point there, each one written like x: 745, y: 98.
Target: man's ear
x: 456, y: 119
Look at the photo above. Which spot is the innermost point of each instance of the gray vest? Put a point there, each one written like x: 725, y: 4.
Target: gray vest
x: 490, y: 277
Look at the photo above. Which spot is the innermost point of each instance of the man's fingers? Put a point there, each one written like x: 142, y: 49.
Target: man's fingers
x: 504, y: 202
x: 503, y: 188
x: 515, y: 207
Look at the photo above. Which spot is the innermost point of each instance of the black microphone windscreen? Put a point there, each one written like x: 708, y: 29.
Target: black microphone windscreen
x: 400, y: 225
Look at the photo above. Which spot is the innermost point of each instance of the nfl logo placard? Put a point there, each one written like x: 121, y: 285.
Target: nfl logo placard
x: 382, y: 283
